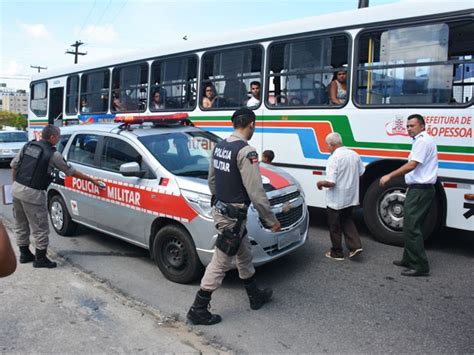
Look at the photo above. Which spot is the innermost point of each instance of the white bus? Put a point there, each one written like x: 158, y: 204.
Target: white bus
x: 409, y: 57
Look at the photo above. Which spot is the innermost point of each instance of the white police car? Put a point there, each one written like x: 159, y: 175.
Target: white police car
x: 156, y: 194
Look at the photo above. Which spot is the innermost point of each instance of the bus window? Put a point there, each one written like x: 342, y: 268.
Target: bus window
x: 173, y: 84
x: 419, y: 65
x: 301, y: 71
x: 129, y: 88
x: 95, y: 90
x: 227, y: 75
x: 72, y: 94
x: 38, y: 100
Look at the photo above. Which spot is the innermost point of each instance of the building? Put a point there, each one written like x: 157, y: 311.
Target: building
x: 13, y: 101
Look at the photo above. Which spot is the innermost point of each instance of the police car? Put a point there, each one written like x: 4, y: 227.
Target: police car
x: 156, y: 194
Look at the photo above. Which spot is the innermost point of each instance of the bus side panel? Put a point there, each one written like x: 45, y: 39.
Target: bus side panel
x: 460, y: 212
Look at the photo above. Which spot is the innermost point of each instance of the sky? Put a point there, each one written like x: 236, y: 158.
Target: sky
x: 38, y: 32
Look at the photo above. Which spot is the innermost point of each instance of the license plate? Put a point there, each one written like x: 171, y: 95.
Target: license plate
x: 288, y: 238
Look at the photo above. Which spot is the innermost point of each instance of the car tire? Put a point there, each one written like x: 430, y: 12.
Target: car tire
x: 383, y: 212
x: 60, y: 217
x: 175, y: 255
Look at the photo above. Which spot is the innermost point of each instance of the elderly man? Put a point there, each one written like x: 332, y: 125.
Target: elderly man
x: 343, y: 170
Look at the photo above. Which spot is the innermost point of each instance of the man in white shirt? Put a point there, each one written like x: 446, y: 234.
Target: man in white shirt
x: 421, y: 173
x: 343, y: 171
x: 254, y: 101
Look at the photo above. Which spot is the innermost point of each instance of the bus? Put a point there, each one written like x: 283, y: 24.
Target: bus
x: 403, y: 58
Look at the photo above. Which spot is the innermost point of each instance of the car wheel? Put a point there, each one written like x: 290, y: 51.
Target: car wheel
x: 384, y: 208
x: 175, y: 254
x: 60, y: 217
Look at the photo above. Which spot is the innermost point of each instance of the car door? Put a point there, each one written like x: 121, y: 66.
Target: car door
x: 121, y: 208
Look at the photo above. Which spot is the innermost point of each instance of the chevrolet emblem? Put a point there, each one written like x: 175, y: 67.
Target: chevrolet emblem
x: 286, y: 207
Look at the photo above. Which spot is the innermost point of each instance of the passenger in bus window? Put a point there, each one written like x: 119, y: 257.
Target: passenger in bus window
x: 209, y: 96
x: 254, y: 101
x: 84, y: 106
x: 338, y: 88
x: 117, y: 104
x: 157, y: 104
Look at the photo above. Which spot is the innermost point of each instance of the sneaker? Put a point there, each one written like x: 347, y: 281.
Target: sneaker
x: 329, y: 254
x: 356, y: 252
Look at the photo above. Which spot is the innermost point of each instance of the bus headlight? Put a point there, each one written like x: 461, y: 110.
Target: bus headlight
x: 201, y: 203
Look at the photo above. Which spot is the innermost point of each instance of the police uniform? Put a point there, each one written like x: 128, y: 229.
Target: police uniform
x: 33, y: 167
x: 234, y: 178
x: 420, y: 194
x: 235, y: 182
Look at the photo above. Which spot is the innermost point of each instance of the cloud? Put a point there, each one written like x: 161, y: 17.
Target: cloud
x: 37, y: 31
x: 100, y: 34
x: 13, y: 68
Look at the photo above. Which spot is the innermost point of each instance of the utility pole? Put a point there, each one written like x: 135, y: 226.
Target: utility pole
x: 76, y: 50
x: 38, y: 67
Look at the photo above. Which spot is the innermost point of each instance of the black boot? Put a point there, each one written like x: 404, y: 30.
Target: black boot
x: 42, y: 260
x: 26, y: 255
x: 257, y: 297
x: 198, y: 313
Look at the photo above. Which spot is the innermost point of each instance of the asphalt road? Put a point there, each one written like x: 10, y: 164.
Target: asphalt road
x: 320, y: 305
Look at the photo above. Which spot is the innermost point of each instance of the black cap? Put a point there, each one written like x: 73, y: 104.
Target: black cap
x: 243, y: 117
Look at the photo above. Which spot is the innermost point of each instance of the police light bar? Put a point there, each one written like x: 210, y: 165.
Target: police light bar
x: 166, y: 118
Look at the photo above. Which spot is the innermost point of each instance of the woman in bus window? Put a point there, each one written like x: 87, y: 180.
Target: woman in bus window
x: 338, y: 88
x: 157, y: 103
x: 117, y: 104
x: 209, y: 96
x: 84, y: 106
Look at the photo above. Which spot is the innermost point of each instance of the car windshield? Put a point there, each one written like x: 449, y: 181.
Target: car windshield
x: 183, y: 153
x: 13, y: 137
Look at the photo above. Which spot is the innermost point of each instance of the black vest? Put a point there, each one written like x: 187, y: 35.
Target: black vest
x: 229, y: 186
x: 33, y: 167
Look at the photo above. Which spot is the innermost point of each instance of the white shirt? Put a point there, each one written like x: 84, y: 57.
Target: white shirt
x: 253, y: 102
x: 425, y: 153
x: 344, y: 169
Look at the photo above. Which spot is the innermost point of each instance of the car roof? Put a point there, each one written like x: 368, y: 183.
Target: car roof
x: 133, y: 130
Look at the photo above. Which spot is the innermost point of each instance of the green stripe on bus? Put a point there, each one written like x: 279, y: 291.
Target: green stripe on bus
x: 341, y: 125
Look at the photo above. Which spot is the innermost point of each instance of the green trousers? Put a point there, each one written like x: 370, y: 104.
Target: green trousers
x: 417, y: 205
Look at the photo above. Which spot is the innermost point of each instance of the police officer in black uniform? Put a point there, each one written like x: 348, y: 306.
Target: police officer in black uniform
x: 31, y: 173
x: 235, y: 182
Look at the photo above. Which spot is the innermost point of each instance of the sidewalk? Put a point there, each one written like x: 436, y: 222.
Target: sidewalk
x: 64, y: 310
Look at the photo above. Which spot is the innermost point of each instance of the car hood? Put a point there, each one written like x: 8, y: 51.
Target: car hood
x: 12, y: 145
x: 273, y: 178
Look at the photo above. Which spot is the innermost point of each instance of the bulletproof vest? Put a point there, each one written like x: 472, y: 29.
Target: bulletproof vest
x: 229, y: 186
x: 33, y: 167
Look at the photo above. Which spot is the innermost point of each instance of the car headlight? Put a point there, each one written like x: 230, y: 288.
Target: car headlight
x: 201, y: 203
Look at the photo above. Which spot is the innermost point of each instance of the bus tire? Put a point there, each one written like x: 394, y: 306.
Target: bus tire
x: 383, y: 212
x: 60, y: 217
x: 175, y: 255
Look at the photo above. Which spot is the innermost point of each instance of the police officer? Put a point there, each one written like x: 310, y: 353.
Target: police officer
x: 31, y: 172
x: 234, y: 181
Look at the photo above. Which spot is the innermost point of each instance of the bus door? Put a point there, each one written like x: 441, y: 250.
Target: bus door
x: 55, y: 115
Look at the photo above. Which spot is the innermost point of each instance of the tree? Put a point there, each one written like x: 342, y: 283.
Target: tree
x: 13, y: 120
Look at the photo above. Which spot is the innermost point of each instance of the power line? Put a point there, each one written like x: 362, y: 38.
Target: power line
x: 101, y: 16
x: 15, y: 77
x: 118, y: 12
x: 86, y: 19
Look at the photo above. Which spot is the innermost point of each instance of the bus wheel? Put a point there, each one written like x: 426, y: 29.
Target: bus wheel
x: 383, y: 212
x: 60, y: 218
x: 175, y: 254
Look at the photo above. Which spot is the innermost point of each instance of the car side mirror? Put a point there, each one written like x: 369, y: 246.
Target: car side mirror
x: 131, y: 169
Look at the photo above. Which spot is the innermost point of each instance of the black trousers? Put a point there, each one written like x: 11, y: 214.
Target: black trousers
x: 340, y: 221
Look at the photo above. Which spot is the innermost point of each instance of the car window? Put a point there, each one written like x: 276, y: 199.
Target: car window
x: 182, y: 153
x: 13, y: 137
x: 83, y: 149
x: 117, y: 152
x: 62, y: 142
